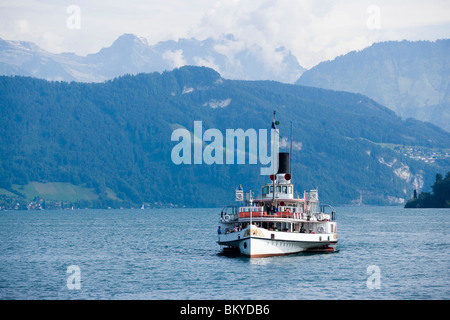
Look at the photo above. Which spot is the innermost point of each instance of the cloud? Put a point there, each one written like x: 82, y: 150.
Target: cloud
x: 207, y: 62
x: 285, y: 143
x: 312, y: 30
x: 321, y: 30
x: 266, y: 25
x: 174, y: 58
x: 22, y: 26
x: 229, y: 47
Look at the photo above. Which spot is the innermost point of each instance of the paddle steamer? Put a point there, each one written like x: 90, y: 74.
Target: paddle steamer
x: 278, y: 223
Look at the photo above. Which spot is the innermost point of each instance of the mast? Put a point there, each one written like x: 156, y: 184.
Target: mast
x: 273, y: 155
x: 290, y: 155
x: 251, y: 215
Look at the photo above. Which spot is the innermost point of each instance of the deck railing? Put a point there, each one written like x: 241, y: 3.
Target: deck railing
x: 285, y: 212
x: 276, y: 215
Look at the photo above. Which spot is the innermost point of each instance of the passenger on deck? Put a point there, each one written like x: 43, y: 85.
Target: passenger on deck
x: 219, y: 231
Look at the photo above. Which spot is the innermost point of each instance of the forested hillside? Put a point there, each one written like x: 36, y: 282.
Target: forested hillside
x: 115, y: 137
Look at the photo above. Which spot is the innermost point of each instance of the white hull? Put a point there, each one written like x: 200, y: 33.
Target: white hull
x: 264, y: 243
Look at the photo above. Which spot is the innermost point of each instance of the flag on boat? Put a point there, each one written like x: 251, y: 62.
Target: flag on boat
x: 239, y: 194
x: 275, y: 123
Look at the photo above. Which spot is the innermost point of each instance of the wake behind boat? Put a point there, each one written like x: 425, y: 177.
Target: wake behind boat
x: 278, y: 223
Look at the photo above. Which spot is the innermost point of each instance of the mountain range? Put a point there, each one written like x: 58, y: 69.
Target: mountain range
x: 130, y: 54
x: 115, y: 139
x: 411, y: 78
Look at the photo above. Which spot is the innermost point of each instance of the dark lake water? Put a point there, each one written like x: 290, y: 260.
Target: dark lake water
x: 384, y: 253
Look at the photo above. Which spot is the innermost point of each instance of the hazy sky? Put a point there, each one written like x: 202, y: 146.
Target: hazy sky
x: 313, y: 30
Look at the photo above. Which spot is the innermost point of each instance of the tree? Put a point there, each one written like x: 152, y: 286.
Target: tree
x: 440, y: 198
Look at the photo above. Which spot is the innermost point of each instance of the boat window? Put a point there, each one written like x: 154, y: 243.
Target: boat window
x: 290, y: 189
x: 284, y: 189
x: 271, y: 189
x: 278, y: 189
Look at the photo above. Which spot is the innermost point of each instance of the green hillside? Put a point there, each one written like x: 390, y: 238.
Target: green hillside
x: 55, y: 191
x: 114, y: 139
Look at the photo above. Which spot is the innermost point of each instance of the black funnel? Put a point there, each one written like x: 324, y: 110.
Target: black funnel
x: 283, y: 162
